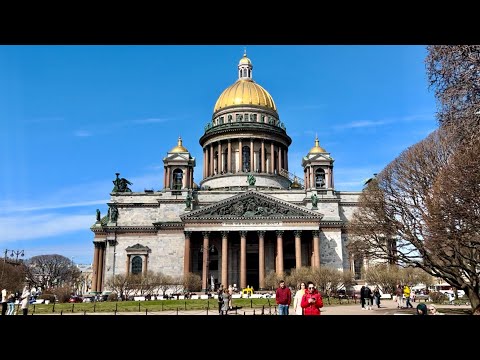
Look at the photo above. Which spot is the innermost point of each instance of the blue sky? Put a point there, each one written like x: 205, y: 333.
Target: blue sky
x: 73, y: 116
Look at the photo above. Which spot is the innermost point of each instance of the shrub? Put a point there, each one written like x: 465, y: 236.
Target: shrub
x: 63, y: 293
x: 112, y: 297
x: 438, y: 297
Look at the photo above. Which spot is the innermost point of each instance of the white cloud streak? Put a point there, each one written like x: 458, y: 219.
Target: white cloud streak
x: 82, y: 133
x: 16, y: 228
x: 375, y: 123
x: 150, y: 120
x: 55, y: 206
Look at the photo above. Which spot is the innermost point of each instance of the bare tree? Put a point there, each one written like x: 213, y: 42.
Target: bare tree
x: 327, y: 279
x: 148, y: 283
x: 192, y: 282
x: 272, y: 280
x: 122, y: 284
x: 297, y: 276
x: 12, y: 276
x: 386, y: 276
x: 47, y: 271
x: 400, y: 205
x: 165, y: 283
x: 454, y: 73
x: 177, y: 284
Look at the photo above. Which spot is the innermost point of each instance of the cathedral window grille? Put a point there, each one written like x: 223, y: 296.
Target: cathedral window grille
x: 246, y: 158
x: 137, y: 264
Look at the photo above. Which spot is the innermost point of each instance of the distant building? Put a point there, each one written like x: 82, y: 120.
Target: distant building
x: 85, y: 284
x: 248, y: 216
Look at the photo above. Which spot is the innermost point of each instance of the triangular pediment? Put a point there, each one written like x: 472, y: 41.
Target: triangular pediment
x: 177, y: 157
x: 252, y: 205
x: 138, y: 247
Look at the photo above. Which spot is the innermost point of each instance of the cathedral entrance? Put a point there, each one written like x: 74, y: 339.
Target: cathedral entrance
x: 252, y: 270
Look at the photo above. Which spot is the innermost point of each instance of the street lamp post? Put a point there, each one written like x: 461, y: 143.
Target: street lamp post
x: 13, y: 253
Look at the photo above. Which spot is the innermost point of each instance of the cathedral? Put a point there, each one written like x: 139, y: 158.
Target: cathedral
x: 248, y: 215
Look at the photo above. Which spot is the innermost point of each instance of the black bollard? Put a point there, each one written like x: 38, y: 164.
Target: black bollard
x: 263, y: 310
x: 251, y: 303
x: 116, y: 307
x: 53, y: 309
x: 84, y: 312
x: 94, y: 305
x: 61, y: 312
x: 139, y: 306
x: 146, y: 311
x: 73, y: 307
x: 185, y: 305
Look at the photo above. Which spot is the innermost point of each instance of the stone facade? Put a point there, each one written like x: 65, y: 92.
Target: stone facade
x: 230, y: 229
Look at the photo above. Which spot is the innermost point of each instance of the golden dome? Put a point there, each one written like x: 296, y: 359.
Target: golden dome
x: 179, y: 147
x: 245, y: 92
x: 317, y: 149
x: 245, y: 60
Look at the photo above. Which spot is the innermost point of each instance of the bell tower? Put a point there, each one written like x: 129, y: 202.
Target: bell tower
x: 318, y: 168
x: 178, y: 168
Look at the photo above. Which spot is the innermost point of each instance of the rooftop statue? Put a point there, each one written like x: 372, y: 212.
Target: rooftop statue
x: 121, y: 184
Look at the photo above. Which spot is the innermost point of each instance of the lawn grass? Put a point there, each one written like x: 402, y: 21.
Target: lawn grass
x: 161, y: 305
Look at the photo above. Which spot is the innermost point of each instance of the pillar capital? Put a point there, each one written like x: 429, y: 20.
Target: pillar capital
x: 224, y: 234
x: 187, y: 234
x: 243, y: 233
x: 279, y: 232
x: 298, y: 233
x: 316, y: 233
x: 206, y: 234
x: 261, y: 233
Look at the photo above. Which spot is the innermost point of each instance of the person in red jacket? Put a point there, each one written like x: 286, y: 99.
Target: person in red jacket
x: 312, y: 300
x: 283, y: 297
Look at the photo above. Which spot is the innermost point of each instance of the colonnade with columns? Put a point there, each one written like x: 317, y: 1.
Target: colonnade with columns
x: 226, y: 156
x: 98, y: 264
x: 225, y: 248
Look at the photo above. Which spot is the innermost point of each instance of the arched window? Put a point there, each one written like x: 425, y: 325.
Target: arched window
x: 225, y: 160
x: 357, y: 267
x: 319, y: 178
x: 275, y: 162
x: 137, y: 265
x: 177, y: 179
x: 216, y: 163
x: 246, y: 158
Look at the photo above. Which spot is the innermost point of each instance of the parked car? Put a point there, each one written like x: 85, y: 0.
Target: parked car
x: 75, y: 299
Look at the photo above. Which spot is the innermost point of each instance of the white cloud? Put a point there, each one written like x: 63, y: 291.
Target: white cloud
x: 150, y: 120
x: 82, y: 133
x: 16, y: 228
x: 374, y: 123
x: 26, y: 208
x: 362, y: 124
